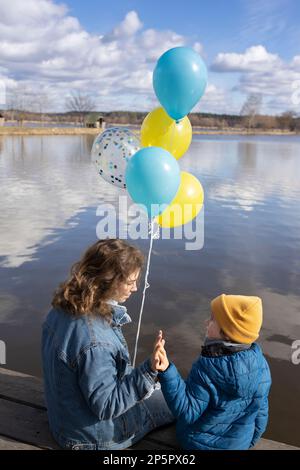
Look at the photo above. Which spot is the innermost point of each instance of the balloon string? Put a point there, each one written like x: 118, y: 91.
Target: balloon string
x: 174, y: 123
x: 154, y: 233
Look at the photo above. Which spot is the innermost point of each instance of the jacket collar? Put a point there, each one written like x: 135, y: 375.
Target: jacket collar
x: 228, y: 343
x: 219, y: 347
x: 119, y: 316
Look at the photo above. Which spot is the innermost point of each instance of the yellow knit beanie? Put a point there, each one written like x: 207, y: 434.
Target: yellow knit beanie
x: 239, y: 316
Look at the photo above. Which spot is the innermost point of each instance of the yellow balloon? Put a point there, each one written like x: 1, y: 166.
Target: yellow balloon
x: 186, y: 205
x: 159, y: 130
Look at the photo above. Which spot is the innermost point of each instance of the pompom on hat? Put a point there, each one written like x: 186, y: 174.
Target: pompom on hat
x: 239, y: 316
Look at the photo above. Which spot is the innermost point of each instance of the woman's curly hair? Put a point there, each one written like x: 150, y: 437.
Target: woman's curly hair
x: 96, y: 277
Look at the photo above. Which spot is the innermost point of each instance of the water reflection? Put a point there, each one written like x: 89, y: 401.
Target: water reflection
x: 247, y: 152
x: 49, y: 195
x: 44, y: 182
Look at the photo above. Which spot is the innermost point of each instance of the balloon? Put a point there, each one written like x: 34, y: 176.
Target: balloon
x: 186, y: 204
x: 152, y: 177
x: 179, y: 80
x: 160, y: 130
x: 111, y: 152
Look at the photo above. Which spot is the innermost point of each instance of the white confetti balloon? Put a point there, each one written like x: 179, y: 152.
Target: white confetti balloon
x: 111, y: 151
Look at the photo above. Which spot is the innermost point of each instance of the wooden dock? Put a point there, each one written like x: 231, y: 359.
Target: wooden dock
x: 24, y: 423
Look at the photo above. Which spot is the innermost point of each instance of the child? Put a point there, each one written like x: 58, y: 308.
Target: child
x: 95, y: 399
x: 223, y: 404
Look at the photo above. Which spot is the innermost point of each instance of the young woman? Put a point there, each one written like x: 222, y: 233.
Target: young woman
x: 95, y: 398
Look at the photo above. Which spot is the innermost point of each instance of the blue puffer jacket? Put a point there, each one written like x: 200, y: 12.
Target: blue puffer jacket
x: 224, y: 402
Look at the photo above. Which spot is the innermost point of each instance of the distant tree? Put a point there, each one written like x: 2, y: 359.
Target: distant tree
x: 20, y: 100
x: 194, y: 119
x: 251, y: 109
x: 297, y: 124
x: 287, y: 120
x: 41, y: 104
x: 80, y: 104
x: 265, y: 122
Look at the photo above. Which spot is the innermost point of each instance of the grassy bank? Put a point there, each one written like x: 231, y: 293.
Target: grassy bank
x: 9, y: 130
x: 47, y: 131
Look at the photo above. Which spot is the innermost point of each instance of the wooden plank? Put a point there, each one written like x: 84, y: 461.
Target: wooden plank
x: 164, y: 436
x: 149, y: 445
x: 167, y: 437
x: 9, y: 444
x: 267, y: 444
x: 25, y: 424
x: 24, y: 418
x: 21, y: 387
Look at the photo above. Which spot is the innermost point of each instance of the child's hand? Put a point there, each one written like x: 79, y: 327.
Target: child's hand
x: 159, y: 359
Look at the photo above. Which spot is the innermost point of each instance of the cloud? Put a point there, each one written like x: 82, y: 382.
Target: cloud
x: 42, y: 46
x: 198, y: 47
x: 154, y: 43
x: 128, y: 27
x: 35, y: 215
x: 217, y: 100
x: 45, y: 49
x: 295, y: 63
x: 255, y: 58
x: 261, y: 72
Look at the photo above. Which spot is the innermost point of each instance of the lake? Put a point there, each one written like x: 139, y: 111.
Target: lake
x: 49, y: 196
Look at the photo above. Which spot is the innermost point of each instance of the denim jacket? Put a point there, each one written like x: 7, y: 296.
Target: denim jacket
x: 91, y: 389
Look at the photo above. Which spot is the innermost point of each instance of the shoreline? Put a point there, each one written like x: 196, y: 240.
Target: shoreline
x: 10, y: 130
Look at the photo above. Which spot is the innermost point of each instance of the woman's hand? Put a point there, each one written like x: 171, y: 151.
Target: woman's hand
x: 159, y: 359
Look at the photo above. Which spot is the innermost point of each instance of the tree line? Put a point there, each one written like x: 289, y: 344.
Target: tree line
x: 286, y: 121
x: 79, y: 108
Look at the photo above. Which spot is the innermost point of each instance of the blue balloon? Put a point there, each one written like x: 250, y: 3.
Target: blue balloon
x: 179, y: 80
x: 152, y: 178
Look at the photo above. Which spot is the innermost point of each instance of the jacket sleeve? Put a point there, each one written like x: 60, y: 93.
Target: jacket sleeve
x: 107, y: 395
x: 261, y: 421
x: 186, y: 400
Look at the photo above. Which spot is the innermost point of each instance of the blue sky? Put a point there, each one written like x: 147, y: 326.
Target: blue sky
x: 109, y: 49
x: 225, y: 25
